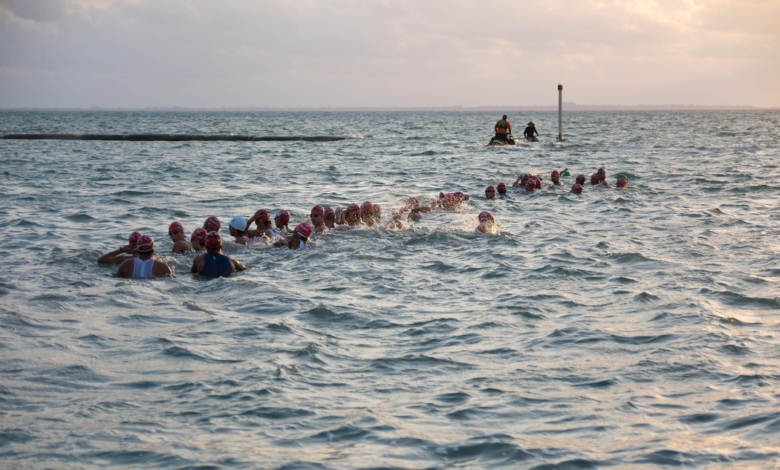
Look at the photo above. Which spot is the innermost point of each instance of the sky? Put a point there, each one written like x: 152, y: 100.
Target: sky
x: 378, y: 53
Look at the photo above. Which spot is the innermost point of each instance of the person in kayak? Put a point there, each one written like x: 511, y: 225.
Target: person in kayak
x: 214, y: 263
x: 503, y: 128
x: 530, y: 131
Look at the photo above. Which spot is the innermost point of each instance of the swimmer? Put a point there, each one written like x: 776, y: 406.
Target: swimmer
x: 198, y: 240
x: 486, y: 222
x: 576, y: 188
x: 502, y: 191
x: 555, y: 177
x: 377, y: 214
x: 330, y: 217
x: 450, y: 202
x: 602, y: 174
x: 212, y: 224
x: 538, y: 182
x: 264, y: 226
x: 123, y: 253
x: 622, y: 182
x: 522, y: 179
x: 367, y: 213
x: 237, y: 228
x: 580, y: 179
x: 349, y: 216
x: 530, y: 185
x: 180, y: 243
x: 414, y: 208
x: 146, y: 265
x: 461, y: 196
x: 318, y: 219
x: 594, y: 179
x: 281, y: 220
x: 214, y: 263
x: 298, y: 239
x: 490, y: 192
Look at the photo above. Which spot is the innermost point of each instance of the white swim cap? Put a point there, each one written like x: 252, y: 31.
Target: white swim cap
x: 238, y: 223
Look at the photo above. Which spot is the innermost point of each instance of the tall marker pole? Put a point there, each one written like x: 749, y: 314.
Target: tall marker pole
x: 560, y: 112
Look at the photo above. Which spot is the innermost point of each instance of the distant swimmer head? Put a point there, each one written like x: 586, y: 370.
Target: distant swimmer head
x: 199, y: 236
x: 485, y: 216
x: 580, y: 179
x: 238, y: 223
x: 501, y: 187
x: 145, y: 244
x: 377, y: 211
x: 538, y: 182
x: 530, y: 185
x: 133, y: 239
x: 329, y: 214
x: 175, y: 228
x: 602, y: 173
x: 555, y: 176
x: 352, y: 214
x: 450, y: 201
x: 576, y: 189
x: 212, y: 224
x: 412, y: 202
x: 622, y: 182
x: 303, y: 230
x: 367, y: 208
x: 594, y: 179
x: 318, y: 210
x: 524, y: 178
x: 490, y: 192
x: 213, y: 241
x: 282, y: 218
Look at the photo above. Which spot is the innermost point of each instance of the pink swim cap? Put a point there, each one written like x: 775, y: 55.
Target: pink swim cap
x: 282, y: 217
x: 133, y: 239
x: 576, y: 189
x: 303, y: 229
x: 329, y: 213
x: 199, y: 235
x: 145, y: 244
x: 212, y: 224
x: 213, y: 240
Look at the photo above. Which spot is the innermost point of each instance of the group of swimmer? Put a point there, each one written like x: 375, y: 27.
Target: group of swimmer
x: 138, y: 258
x: 504, y: 133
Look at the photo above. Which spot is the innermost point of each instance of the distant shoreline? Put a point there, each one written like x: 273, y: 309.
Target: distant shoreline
x: 567, y: 107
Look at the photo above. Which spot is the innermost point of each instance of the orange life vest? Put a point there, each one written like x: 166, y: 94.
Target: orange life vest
x: 503, y: 127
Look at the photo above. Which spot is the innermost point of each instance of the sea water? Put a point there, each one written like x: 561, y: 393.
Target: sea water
x: 626, y: 328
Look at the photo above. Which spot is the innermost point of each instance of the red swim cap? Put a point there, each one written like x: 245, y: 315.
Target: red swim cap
x: 576, y: 189
x: 524, y: 178
x: 501, y: 186
x: 329, y: 213
x: 594, y: 179
x: 199, y: 235
x: 133, y: 239
x: 213, y: 240
x: 145, y: 244
x: 283, y: 217
x: 485, y: 216
x: 212, y: 224
x: 530, y: 185
x: 353, y: 208
x: 377, y: 210
x: 601, y: 171
x: 490, y: 188
x: 367, y: 208
x: 317, y: 210
x: 459, y: 194
x: 554, y: 174
x: 303, y: 229
x: 176, y: 226
x: 580, y: 179
x: 622, y: 182
x: 413, y: 201
x: 450, y: 199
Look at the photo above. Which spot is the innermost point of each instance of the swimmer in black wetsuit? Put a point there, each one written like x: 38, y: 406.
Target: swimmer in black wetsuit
x: 530, y: 131
x: 214, y: 263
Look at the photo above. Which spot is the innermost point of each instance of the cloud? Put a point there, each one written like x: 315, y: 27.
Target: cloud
x: 385, y: 53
